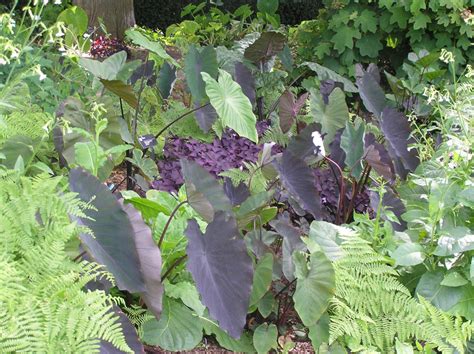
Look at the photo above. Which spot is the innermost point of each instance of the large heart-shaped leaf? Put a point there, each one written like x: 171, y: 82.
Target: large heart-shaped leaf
x: 327, y: 74
x: 397, y: 131
x: 196, y: 62
x: 298, y: 179
x: 122, y: 241
x: 315, y: 286
x: 205, y: 116
x: 328, y: 237
x: 264, y: 48
x: 409, y: 254
x: 332, y: 116
x: 243, y: 76
x: 352, y: 142
x: 292, y: 242
x: 112, y: 244
x: 378, y: 158
x: 122, y: 90
x: 372, y: 94
x: 443, y: 297
x: 204, y: 192
x: 289, y: 108
x: 302, y: 145
x: 265, y: 338
x: 267, y: 6
x: 166, y: 80
x: 222, y: 270
x: 391, y: 203
x: 178, y: 328
x: 262, y: 278
x: 232, y: 106
x: 107, y: 69
x: 150, y: 260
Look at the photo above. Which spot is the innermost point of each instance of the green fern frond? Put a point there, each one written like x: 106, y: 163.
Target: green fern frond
x: 43, y: 305
x: 373, y: 309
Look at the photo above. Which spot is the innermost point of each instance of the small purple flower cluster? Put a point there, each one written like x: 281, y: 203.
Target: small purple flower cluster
x: 220, y: 155
x: 103, y: 47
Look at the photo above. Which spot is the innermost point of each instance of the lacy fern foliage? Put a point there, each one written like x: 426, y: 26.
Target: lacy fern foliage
x: 374, y: 309
x: 44, y: 306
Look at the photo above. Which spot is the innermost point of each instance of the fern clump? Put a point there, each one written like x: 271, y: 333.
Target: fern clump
x: 44, y: 305
x: 372, y: 309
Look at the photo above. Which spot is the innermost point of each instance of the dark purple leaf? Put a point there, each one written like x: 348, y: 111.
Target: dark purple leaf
x: 291, y: 242
x: 326, y: 88
x: 302, y: 144
x: 147, y: 141
x: 392, y: 203
x: 289, y: 109
x: 113, y: 242
x: 237, y: 195
x: 166, y: 80
x: 130, y: 333
x: 196, y: 62
x: 396, y: 129
x: 244, y: 77
x: 222, y: 270
x: 337, y: 153
x: 150, y: 260
x: 205, y: 117
x: 378, y: 158
x: 371, y: 69
x: 372, y: 94
x: 298, y: 179
x: 205, y: 194
x: 146, y: 70
x: 268, y: 45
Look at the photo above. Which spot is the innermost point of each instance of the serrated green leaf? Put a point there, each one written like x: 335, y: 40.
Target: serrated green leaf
x: 369, y: 45
x: 367, y: 21
x: 344, y: 38
x: 231, y: 104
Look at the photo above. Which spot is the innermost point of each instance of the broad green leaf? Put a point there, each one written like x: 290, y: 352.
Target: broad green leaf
x: 465, y: 305
x: 87, y: 156
x: 265, y: 338
x: 146, y: 165
x: 403, y: 348
x: 369, y: 45
x: 267, y: 304
x: 319, y: 332
x: 327, y: 74
x: 196, y: 62
x: 147, y: 207
x: 75, y: 18
x: 329, y: 237
x: 454, y: 240
x: 332, y: 116
x: 166, y: 80
x: 187, y: 293
x: 262, y: 279
x: 178, y: 328
x: 267, y: 6
x: 453, y: 279
x: 367, y: 21
x: 107, y: 69
x: 352, y: 142
x: 122, y: 90
x: 232, y: 106
x: 409, y: 254
x: 141, y: 40
x: 241, y: 345
x: 15, y: 147
x: 315, y: 286
x: 442, y: 297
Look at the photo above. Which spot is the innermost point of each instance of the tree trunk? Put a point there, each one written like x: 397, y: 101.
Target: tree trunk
x: 117, y: 15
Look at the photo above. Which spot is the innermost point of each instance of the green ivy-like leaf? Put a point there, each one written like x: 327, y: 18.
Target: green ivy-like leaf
x: 231, y: 104
x: 344, y: 38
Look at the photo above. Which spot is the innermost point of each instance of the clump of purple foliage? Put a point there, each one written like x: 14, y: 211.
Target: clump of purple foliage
x: 103, y: 47
x: 220, y: 155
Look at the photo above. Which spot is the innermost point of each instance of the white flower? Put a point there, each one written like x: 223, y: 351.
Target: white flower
x: 41, y: 75
x: 318, y: 143
x: 446, y: 56
x: 59, y: 33
x: 57, y: 2
x: 3, y: 61
x: 45, y: 2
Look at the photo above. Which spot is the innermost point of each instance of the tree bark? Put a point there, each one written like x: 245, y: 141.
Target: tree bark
x: 117, y: 15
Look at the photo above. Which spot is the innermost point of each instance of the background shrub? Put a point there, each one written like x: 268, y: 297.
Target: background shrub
x: 162, y: 13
